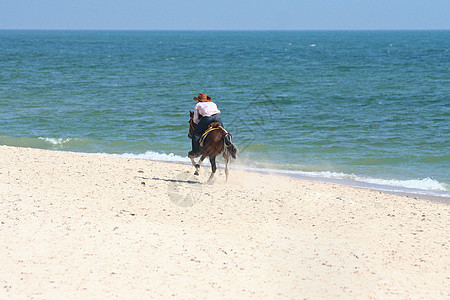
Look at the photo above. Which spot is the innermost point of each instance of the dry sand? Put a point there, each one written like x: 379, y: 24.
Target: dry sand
x: 79, y: 226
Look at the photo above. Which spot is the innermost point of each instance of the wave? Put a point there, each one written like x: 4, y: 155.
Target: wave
x: 424, y: 184
x: 56, y: 141
x: 151, y: 155
x: 64, y: 143
x: 41, y: 142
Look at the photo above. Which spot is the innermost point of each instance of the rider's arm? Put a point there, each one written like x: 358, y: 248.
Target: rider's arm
x: 197, y: 115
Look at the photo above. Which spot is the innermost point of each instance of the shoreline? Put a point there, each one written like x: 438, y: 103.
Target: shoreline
x: 77, y: 225
x: 437, y: 196
x: 431, y: 195
x: 427, y: 194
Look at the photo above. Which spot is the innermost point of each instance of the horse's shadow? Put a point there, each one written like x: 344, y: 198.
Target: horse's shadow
x: 174, y: 180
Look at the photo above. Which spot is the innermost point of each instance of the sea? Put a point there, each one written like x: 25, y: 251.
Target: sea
x: 360, y: 108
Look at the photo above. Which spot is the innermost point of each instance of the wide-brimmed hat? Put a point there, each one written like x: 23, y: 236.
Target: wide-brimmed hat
x: 202, y: 98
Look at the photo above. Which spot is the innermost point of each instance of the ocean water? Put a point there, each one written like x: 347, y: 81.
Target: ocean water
x: 361, y: 107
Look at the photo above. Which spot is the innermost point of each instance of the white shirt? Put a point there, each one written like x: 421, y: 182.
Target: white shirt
x: 205, y: 109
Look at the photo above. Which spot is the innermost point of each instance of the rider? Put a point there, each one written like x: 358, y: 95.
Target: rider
x: 205, y: 112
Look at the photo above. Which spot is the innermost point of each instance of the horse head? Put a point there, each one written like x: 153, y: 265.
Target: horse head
x: 192, y: 125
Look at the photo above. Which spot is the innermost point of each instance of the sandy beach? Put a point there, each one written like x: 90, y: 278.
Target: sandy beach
x: 81, y: 226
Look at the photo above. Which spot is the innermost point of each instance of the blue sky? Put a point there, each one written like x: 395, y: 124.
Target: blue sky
x: 225, y: 14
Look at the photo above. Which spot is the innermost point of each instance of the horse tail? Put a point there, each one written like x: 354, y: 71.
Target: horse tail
x: 229, y: 147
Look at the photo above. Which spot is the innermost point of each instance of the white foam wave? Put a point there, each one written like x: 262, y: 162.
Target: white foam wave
x: 58, y: 141
x: 422, y: 184
x: 425, y: 184
x: 151, y: 155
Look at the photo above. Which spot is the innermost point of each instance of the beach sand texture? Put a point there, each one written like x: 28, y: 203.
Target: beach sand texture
x: 81, y: 226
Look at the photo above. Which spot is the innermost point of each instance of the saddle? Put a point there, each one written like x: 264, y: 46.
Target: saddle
x: 205, y: 134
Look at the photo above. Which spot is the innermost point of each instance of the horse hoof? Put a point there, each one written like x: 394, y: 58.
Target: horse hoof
x: 196, y: 173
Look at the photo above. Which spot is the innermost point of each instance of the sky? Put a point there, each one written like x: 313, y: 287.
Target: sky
x: 225, y: 14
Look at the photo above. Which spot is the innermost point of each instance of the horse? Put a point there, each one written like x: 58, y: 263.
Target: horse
x: 218, y: 141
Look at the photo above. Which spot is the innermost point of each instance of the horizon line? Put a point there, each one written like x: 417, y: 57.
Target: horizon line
x: 103, y: 29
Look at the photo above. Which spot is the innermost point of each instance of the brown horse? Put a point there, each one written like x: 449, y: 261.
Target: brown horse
x: 217, y: 142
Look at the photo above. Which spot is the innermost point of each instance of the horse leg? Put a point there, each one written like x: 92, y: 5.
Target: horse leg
x: 212, y: 160
x: 193, y: 161
x: 197, y: 169
x: 197, y: 165
x: 226, y: 168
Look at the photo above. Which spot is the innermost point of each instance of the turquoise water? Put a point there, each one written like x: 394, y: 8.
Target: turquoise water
x: 362, y: 106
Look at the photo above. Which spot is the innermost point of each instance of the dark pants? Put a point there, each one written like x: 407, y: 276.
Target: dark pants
x: 201, y: 128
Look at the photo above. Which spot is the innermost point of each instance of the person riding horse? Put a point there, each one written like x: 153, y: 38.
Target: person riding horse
x: 205, y: 113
